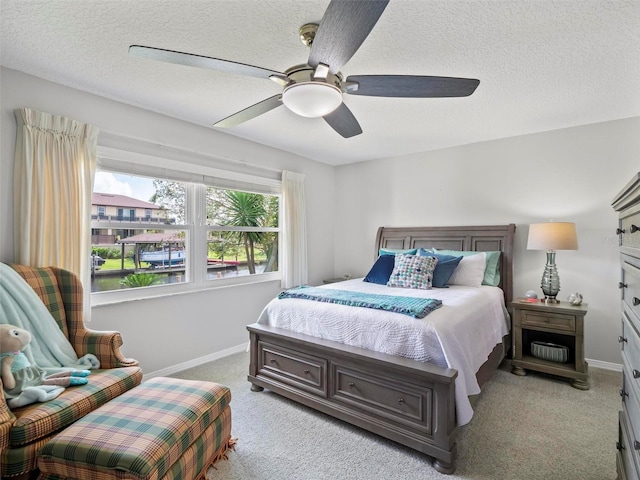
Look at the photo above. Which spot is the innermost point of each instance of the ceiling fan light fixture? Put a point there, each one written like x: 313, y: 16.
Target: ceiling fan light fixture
x: 312, y: 99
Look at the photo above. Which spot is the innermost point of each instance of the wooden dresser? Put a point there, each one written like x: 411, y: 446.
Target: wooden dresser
x: 627, y: 204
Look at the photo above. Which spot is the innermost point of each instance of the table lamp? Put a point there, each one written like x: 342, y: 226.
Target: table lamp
x: 552, y: 236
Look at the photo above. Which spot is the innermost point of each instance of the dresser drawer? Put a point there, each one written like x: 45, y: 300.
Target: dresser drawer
x: 548, y: 321
x: 630, y: 283
x: 630, y: 225
x: 631, y: 406
x: 293, y: 367
x: 627, y: 455
x: 383, y: 397
x: 630, y: 346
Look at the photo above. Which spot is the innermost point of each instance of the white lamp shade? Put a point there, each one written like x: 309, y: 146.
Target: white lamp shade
x: 552, y: 236
x: 312, y: 99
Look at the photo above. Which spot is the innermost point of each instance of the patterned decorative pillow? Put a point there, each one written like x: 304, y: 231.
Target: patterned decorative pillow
x: 412, y: 271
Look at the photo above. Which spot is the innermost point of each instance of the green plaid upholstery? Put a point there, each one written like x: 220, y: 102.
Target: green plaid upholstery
x: 166, y: 428
x: 44, y: 282
x: 24, y: 431
x: 36, y: 424
x: 104, y: 345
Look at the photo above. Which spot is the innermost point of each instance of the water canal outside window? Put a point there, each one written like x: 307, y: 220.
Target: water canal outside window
x: 147, y: 231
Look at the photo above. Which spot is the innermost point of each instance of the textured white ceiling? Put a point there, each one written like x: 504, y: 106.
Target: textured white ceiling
x: 542, y: 65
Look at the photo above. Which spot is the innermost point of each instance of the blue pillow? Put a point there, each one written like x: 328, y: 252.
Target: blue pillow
x: 381, y: 270
x: 444, y: 268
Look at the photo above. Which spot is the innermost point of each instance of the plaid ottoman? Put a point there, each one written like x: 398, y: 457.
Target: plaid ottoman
x: 165, y: 428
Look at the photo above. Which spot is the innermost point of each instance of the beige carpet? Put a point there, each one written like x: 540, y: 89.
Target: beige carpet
x: 524, y: 428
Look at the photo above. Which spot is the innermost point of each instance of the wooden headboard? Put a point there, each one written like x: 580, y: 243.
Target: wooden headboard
x: 479, y: 238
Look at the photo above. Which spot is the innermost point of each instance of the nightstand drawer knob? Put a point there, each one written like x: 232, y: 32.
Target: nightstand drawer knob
x: 352, y: 384
x: 621, y: 339
x: 622, y: 285
x: 634, y: 229
x: 306, y: 372
x: 619, y: 231
x: 401, y: 400
x: 636, y: 373
x: 273, y: 360
x: 636, y: 301
x: 619, y: 446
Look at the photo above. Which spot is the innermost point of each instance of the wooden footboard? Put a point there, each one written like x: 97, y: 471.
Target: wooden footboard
x: 409, y: 402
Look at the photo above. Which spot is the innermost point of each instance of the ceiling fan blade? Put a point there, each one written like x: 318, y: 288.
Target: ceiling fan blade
x: 201, y: 61
x: 343, y: 122
x: 411, y: 86
x: 250, y: 112
x: 343, y: 28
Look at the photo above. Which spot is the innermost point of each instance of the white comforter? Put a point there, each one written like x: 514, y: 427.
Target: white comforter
x: 461, y: 334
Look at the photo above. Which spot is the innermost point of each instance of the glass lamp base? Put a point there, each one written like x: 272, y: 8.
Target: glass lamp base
x: 550, y: 280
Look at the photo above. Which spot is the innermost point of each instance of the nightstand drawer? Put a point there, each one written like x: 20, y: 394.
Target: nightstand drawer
x: 292, y: 367
x: 549, y: 321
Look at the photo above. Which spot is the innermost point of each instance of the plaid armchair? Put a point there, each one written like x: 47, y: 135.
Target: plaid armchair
x: 23, y: 431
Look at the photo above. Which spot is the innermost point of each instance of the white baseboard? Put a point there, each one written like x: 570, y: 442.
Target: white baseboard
x: 196, y: 361
x: 617, y: 367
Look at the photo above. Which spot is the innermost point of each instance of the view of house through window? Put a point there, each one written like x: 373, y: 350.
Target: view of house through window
x: 142, y: 230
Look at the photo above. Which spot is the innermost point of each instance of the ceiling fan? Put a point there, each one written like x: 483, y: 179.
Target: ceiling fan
x: 315, y: 89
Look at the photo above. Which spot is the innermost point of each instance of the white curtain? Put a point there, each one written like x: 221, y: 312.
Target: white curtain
x: 294, y: 260
x: 54, y: 168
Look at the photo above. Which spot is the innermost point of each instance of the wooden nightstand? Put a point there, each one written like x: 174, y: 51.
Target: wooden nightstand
x: 558, y: 323
x: 335, y: 280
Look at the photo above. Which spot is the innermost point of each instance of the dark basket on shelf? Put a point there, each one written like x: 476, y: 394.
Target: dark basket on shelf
x: 550, y: 351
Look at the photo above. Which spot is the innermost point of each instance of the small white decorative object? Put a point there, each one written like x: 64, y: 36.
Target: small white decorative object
x: 531, y: 294
x: 575, y: 299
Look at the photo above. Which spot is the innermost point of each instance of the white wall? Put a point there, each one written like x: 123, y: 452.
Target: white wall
x: 177, y: 329
x: 571, y: 174
x: 565, y: 175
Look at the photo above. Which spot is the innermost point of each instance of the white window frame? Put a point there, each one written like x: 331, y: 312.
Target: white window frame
x: 197, y: 178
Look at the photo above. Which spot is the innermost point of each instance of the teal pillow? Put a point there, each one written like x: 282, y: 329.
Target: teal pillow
x: 394, y: 251
x: 492, y: 269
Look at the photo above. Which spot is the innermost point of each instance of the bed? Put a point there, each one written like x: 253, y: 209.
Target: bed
x: 411, y: 396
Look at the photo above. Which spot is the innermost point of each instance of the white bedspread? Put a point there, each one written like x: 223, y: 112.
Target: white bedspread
x: 461, y: 334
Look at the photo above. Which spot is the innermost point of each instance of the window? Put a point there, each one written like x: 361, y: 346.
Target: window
x: 236, y: 238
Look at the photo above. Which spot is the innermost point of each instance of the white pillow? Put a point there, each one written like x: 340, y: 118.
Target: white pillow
x: 470, y: 271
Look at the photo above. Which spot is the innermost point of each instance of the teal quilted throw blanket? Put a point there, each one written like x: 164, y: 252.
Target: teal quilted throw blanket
x: 414, y: 307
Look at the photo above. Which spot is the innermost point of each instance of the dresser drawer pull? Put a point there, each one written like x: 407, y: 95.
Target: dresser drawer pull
x: 619, y: 446
x: 273, y: 360
x: 306, y: 372
x: 621, y: 339
x: 623, y: 394
x: 634, y: 229
x: 352, y: 384
x: 636, y: 373
x: 619, y: 231
x: 636, y: 301
x: 401, y: 400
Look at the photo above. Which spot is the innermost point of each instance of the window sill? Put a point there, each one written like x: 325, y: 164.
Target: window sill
x: 144, y: 293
